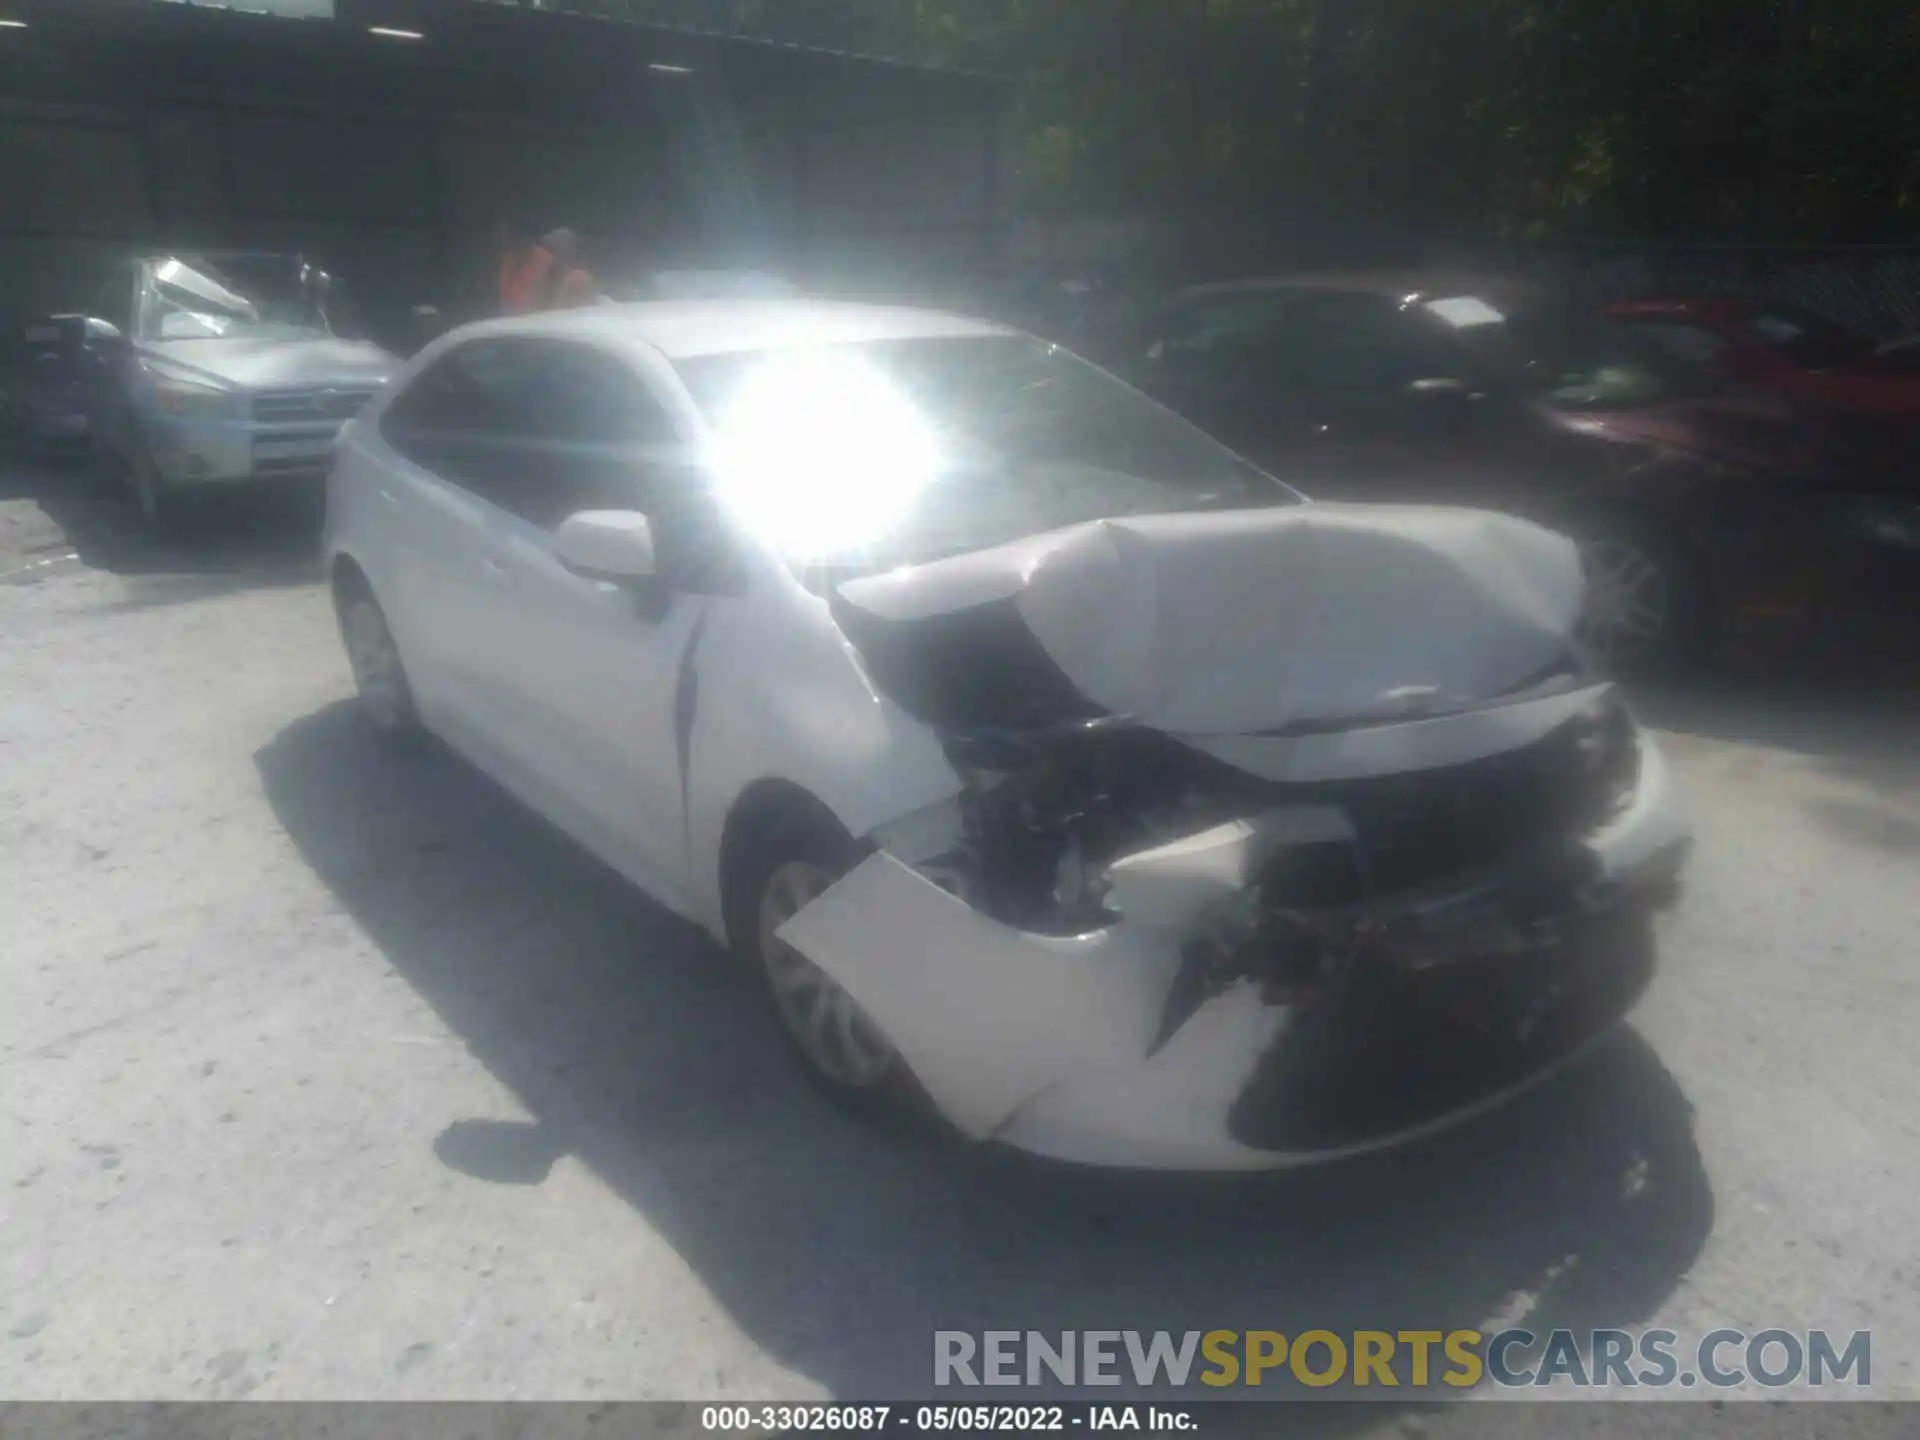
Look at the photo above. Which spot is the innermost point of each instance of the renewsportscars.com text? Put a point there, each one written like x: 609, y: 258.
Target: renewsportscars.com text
x: 1380, y: 1359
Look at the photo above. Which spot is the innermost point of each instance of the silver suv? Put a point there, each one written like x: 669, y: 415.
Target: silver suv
x: 219, y: 368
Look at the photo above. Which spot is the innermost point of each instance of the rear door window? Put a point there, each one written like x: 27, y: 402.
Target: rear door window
x: 113, y: 302
x: 1216, y: 336
x: 1363, y: 348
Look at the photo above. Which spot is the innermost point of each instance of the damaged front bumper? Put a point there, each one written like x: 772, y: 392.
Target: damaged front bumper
x: 1329, y: 1031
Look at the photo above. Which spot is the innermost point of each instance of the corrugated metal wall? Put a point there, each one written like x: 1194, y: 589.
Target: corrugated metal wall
x: 293, y: 138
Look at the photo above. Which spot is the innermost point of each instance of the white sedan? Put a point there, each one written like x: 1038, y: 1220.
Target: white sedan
x: 1069, y: 781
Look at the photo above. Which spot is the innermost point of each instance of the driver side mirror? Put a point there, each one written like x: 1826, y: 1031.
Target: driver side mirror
x: 103, y: 330
x: 612, y: 545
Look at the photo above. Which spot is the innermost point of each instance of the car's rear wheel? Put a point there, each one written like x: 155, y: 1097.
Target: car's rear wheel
x: 795, y: 860
x: 386, y: 696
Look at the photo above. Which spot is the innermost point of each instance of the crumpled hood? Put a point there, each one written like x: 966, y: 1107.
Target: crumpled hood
x: 1247, y: 622
x: 279, y: 364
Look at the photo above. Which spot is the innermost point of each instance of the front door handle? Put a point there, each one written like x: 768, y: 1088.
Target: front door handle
x: 495, y: 571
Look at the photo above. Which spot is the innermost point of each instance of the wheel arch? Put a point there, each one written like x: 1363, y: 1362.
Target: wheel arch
x: 346, y: 577
x: 761, y: 811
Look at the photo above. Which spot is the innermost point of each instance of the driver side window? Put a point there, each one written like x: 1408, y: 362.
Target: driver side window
x: 1214, y: 337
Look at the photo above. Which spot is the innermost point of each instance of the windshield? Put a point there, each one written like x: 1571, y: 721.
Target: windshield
x: 271, y: 297
x: 896, y: 452
x: 1568, y: 358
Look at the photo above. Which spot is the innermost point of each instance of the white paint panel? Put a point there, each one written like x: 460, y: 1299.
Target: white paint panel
x: 1236, y: 622
x: 985, y: 1016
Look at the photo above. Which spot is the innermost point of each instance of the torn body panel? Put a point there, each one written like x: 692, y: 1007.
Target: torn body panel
x: 782, y: 696
x: 1251, y: 839
x: 985, y: 1015
x: 1234, y: 1011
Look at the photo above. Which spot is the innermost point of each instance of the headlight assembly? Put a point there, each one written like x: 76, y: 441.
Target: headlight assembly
x: 188, y: 398
x: 1605, y: 753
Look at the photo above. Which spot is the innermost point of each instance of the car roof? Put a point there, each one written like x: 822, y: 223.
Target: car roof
x: 684, y: 329
x: 1389, y: 284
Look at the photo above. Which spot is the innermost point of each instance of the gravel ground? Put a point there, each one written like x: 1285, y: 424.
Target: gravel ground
x: 326, y: 1073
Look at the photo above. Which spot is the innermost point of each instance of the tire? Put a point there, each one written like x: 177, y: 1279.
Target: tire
x: 1644, y: 609
x: 379, y: 675
x: 837, y: 1047
x: 103, y: 467
x: 156, y: 503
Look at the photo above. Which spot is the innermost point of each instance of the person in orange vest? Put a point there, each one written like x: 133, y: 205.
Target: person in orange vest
x: 569, y: 282
x: 525, y: 268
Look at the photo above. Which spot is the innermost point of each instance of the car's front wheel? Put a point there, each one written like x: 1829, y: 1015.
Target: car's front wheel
x: 843, y: 1052
x: 157, y: 503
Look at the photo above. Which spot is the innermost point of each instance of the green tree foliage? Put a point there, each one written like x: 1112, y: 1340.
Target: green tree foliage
x: 1686, y: 119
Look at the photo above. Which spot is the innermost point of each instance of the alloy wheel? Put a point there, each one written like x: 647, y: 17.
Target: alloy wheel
x: 829, y: 1026
x: 1629, y: 610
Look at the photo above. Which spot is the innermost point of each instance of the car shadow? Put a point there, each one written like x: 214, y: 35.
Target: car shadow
x: 643, y: 1051
x: 221, y: 544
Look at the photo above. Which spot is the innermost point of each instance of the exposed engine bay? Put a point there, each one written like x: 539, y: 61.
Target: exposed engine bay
x: 1045, y: 814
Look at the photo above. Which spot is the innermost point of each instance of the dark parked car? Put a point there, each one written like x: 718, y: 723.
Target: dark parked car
x: 1701, y: 507
x: 1087, y: 307
x: 41, y: 402
x: 1786, y: 349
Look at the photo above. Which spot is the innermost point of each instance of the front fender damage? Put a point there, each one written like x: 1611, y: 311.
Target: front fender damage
x: 1215, y: 998
x: 986, y: 1016
x: 1277, y: 834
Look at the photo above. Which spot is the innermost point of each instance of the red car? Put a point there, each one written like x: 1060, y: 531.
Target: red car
x: 1787, y: 350
x: 1709, y: 513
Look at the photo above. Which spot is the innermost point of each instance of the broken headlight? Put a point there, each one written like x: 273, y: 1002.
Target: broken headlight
x: 1605, y: 748
x: 1044, y: 813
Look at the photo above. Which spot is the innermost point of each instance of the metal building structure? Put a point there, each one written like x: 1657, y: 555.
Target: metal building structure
x: 389, y: 138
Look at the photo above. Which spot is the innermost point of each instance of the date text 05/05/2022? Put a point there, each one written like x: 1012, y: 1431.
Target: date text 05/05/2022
x: 938, y: 1419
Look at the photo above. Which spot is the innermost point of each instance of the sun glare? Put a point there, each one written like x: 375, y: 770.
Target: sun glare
x: 821, y: 454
